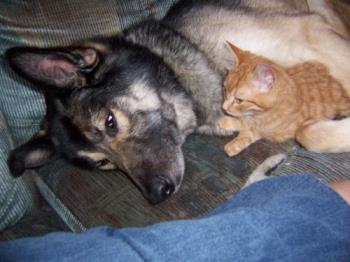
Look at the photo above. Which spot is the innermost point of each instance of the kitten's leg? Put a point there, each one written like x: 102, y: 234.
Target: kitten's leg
x: 242, y: 141
x: 260, y: 172
x: 244, y: 138
x: 331, y: 136
x: 229, y: 123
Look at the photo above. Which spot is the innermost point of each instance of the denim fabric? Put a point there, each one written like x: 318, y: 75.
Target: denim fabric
x: 15, y: 194
x: 291, y: 218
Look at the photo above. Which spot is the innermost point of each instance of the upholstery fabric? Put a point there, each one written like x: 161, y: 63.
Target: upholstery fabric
x: 15, y: 194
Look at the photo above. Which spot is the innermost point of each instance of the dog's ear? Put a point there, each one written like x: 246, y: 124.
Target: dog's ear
x: 60, y: 68
x: 36, y: 152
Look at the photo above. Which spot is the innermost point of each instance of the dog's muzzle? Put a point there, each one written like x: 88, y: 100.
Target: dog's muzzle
x: 160, y: 189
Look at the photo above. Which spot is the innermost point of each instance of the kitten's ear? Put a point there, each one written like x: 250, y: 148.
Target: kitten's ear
x: 264, y: 77
x: 238, y: 54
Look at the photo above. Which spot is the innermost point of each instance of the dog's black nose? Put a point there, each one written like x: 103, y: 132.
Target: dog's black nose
x: 166, y: 189
x: 161, y: 190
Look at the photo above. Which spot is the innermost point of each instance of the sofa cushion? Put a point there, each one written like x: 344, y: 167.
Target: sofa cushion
x: 16, y: 198
x: 86, y: 199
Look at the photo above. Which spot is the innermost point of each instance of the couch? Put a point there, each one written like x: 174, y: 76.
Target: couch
x: 61, y: 197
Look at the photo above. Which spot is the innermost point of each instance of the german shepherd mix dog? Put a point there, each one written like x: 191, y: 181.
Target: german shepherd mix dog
x: 130, y: 101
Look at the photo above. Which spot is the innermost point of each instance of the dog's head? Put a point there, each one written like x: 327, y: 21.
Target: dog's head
x: 108, y: 106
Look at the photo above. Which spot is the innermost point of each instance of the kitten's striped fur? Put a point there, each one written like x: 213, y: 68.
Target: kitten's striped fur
x: 265, y: 100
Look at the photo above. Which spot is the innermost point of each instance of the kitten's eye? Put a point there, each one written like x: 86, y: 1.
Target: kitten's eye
x: 102, y: 162
x: 238, y: 100
x: 111, y: 125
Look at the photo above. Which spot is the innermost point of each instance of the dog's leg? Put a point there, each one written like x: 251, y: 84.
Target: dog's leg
x: 326, y: 9
x: 327, y: 37
x: 285, y: 6
x: 260, y: 172
x: 330, y: 136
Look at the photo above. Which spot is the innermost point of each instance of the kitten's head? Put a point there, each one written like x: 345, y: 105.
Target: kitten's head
x: 249, y: 86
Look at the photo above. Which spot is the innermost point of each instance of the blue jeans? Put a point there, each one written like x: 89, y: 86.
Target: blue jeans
x: 293, y: 218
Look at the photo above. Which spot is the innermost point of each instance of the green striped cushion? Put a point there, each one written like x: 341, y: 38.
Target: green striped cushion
x: 15, y: 194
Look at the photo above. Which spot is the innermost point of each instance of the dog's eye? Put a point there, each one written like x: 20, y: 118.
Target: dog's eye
x: 102, y: 162
x: 110, y: 122
x: 111, y: 125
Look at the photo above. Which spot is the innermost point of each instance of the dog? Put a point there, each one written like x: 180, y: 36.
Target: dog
x: 129, y: 101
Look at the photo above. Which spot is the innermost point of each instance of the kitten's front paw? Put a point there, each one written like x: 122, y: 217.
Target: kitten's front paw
x: 228, y: 123
x: 233, y: 149
x: 222, y: 122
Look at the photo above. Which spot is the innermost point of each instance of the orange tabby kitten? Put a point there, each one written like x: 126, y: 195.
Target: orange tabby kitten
x: 265, y: 100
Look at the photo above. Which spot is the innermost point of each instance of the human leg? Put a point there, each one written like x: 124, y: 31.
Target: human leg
x: 292, y: 218
x: 342, y: 188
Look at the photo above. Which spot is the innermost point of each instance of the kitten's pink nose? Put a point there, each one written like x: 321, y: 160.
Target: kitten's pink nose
x: 226, y: 105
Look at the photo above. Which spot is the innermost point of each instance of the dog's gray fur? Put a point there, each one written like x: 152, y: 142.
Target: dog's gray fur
x: 161, y: 80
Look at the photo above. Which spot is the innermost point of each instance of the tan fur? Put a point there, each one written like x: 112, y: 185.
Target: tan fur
x: 268, y: 101
x: 97, y: 156
x: 123, y: 128
x: 109, y: 144
x: 103, y: 48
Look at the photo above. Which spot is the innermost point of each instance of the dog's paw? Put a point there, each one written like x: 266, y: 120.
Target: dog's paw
x: 16, y: 165
x: 260, y: 173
